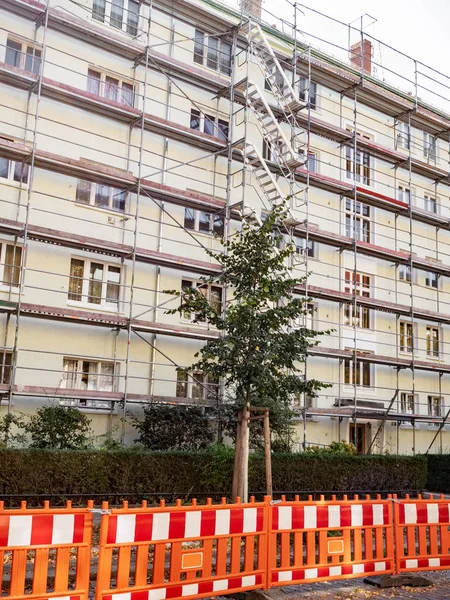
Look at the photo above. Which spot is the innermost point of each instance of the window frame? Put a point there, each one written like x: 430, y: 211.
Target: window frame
x: 405, y: 273
x: 361, y: 366
x: 354, y: 215
x: 312, y: 161
x: 206, y: 53
x: 431, y: 406
x: 15, y: 269
x: 361, y: 288
x: 79, y: 374
x: 363, y: 169
x: 430, y: 147
x: 187, y: 282
x: 85, y: 292
x: 213, y: 229
x: 220, y: 127
x: 6, y: 366
x: 406, y: 337
x: 403, y: 135
x: 11, y: 167
x: 308, y: 96
x: 300, y: 247
x: 25, y: 46
x: 430, y: 204
x: 104, y: 85
x: 188, y: 381
x: 93, y: 191
x: 127, y: 25
x: 432, y: 280
x: 406, y: 408
x: 433, y: 344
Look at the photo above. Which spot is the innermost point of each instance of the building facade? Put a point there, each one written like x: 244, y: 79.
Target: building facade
x: 134, y: 133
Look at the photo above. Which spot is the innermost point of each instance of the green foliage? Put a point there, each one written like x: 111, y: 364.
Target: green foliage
x: 58, y: 427
x: 438, y: 473
x: 11, y: 431
x: 134, y: 474
x: 333, y: 448
x: 258, y: 355
x: 168, y: 427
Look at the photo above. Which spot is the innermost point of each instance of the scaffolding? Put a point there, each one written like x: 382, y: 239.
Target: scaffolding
x: 282, y: 116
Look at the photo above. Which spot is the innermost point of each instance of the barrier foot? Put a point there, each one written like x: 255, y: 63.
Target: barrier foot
x: 388, y: 581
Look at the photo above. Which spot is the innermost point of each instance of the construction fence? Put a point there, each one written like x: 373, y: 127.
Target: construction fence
x: 157, y: 553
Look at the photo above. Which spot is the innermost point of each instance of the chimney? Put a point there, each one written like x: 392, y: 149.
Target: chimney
x: 361, y: 56
x: 252, y: 7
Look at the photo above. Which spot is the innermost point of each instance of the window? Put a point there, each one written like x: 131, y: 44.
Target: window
x: 81, y: 374
x: 404, y: 273
x: 403, y: 135
x: 431, y: 279
x: 300, y: 247
x: 403, y: 194
x: 358, y: 284
x: 5, y: 366
x: 23, y: 55
x: 435, y: 406
x: 406, y: 336
x: 196, y: 386
x: 432, y: 339
x: 357, y: 220
x: 122, y: 14
x: 209, y: 124
x: 212, y: 293
x: 94, y: 283
x: 203, y: 222
x: 361, y: 165
x: 212, y: 52
x: 311, y: 163
x: 100, y: 195
x: 272, y: 151
x: 430, y: 204
x: 274, y: 81
x: 12, y: 170
x: 360, y: 376
x: 10, y: 262
x: 407, y: 403
x: 109, y: 87
x: 429, y: 146
x: 308, y: 92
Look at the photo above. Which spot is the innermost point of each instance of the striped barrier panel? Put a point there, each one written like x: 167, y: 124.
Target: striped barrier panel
x: 422, y: 536
x: 182, y: 551
x: 45, y: 553
x: 323, y: 540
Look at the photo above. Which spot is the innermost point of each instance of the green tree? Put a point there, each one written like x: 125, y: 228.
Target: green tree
x: 11, y: 431
x: 259, y: 353
x: 59, y: 427
x: 168, y: 427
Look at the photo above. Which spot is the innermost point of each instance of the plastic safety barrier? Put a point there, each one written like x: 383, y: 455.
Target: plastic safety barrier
x: 45, y: 553
x: 182, y: 551
x: 422, y: 534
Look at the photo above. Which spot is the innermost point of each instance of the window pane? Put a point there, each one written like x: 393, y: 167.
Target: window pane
x: 20, y: 172
x: 106, y: 377
x: 189, y: 218
x: 111, y: 88
x: 76, y: 279
x: 212, y: 388
x: 69, y: 377
x: 204, y: 220
x: 210, y: 125
x: 13, y: 53
x: 199, y: 46
x: 83, y: 194
x: 98, y: 10
x: 102, y: 194
x: 133, y: 17
x: 5, y: 366
x: 119, y: 198
x: 127, y: 94
x: 95, y: 283
x: 13, y: 259
x: 89, y: 375
x: 198, y: 390
x: 33, y: 60
x: 223, y: 129
x: 113, y: 285
x: 4, y: 167
x: 213, y: 52
x: 182, y: 388
x: 93, y: 82
x: 225, y: 58
x: 218, y: 225
x: 215, y: 298
x: 195, y: 119
x: 116, y: 13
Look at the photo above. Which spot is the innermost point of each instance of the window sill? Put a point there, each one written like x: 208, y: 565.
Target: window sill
x: 202, y: 325
x: 124, y: 216
x: 5, y: 289
x: 13, y: 184
x: 94, y: 307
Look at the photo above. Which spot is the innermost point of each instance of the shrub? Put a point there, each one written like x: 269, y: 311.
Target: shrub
x: 438, y: 473
x: 58, y: 427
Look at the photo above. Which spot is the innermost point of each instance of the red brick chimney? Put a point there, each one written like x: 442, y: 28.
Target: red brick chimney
x: 253, y: 7
x: 361, y: 56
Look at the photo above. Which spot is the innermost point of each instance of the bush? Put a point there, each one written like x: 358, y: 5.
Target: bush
x: 135, y: 474
x: 333, y: 448
x: 438, y: 473
x: 58, y: 427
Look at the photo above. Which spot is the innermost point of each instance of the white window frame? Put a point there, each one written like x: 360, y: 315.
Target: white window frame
x: 187, y: 381
x: 103, y: 86
x: 361, y: 365
x: 406, y: 332
x: 5, y: 366
x: 195, y: 283
x: 429, y: 345
x: 15, y: 269
x: 406, y: 399
x: 91, y: 189
x: 405, y: 273
x: 308, y: 94
x: 431, y: 405
x: 300, y: 247
x: 362, y: 290
x: 218, y: 124
x: 79, y: 373
x: 313, y: 160
x: 403, y: 139
x: 430, y: 204
x: 26, y: 45
x: 361, y: 156
x: 430, y: 147
x: 11, y: 167
x: 430, y: 277
x: 103, y: 304
x: 212, y: 218
x: 204, y: 44
x: 354, y: 212
x: 105, y: 16
x: 404, y: 194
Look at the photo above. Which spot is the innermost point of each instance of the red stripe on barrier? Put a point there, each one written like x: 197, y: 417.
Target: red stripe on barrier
x: 367, y: 514
x: 4, y: 530
x: 422, y: 513
x: 143, y: 529
x: 41, y: 530
x: 385, y: 514
x: 237, y: 520
x: 275, y: 521
x: 443, y: 513
x: 346, y: 516
x: 298, y: 517
x: 177, y: 525
x: 78, y: 529
x: 259, y: 519
x: 208, y: 523
x: 401, y: 513
x: 205, y: 587
x: 322, y: 516
x: 112, y: 530
x: 174, y: 592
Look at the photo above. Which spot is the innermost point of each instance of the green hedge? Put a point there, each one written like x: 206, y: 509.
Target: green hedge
x: 132, y: 475
x: 438, y: 473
